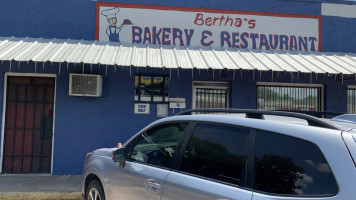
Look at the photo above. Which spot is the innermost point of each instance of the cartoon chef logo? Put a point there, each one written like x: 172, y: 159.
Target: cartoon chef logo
x: 113, y: 30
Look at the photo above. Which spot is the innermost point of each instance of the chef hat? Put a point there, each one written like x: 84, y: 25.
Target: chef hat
x: 110, y: 13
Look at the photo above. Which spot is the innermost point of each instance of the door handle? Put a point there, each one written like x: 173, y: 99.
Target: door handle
x: 153, y: 185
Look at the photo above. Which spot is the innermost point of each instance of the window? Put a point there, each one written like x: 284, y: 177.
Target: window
x: 151, y: 88
x: 210, y: 94
x: 217, y: 152
x: 290, y: 166
x: 157, y: 145
x: 351, y: 99
x: 289, y: 97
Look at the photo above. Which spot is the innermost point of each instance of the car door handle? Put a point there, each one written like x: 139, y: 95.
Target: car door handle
x: 153, y: 185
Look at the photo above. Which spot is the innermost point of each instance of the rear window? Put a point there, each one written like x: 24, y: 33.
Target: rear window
x: 290, y: 166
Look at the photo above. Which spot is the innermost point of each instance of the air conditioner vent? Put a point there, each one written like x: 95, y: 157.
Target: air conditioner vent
x: 85, y: 85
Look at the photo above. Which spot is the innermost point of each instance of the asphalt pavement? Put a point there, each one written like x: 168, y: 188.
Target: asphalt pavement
x: 42, y: 187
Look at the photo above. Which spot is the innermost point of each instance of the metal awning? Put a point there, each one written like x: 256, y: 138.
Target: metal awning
x: 116, y: 54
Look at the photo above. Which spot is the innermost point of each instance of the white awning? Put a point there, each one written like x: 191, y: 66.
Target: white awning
x: 116, y: 54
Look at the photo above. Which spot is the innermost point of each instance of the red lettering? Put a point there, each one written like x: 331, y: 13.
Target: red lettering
x: 215, y: 19
x: 222, y: 19
x: 199, y: 19
x: 208, y: 21
x: 229, y: 19
x: 238, y: 22
x: 252, y: 23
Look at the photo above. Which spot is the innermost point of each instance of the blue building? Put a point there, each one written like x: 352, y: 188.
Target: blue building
x: 80, y: 75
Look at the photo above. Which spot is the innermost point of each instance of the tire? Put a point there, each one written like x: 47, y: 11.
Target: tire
x: 94, y: 191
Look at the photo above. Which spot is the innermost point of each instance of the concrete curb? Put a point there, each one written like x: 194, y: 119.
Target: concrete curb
x: 40, y: 187
x: 41, y: 196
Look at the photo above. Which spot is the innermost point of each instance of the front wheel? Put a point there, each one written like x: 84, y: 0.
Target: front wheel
x: 94, y: 191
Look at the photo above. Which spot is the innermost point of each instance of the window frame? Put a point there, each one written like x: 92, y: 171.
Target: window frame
x: 138, y: 98
x: 295, y: 85
x: 249, y: 147
x: 206, y: 84
x: 353, y: 107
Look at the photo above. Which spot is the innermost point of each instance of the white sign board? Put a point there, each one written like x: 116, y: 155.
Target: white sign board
x: 177, y: 103
x: 142, y: 108
x: 162, y: 25
x: 162, y: 110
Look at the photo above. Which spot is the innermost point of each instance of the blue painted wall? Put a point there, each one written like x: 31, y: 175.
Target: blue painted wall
x: 83, y: 124
x: 48, y: 18
x: 338, y: 34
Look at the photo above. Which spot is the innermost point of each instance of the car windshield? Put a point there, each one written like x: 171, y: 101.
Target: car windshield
x: 346, y: 126
x: 350, y: 118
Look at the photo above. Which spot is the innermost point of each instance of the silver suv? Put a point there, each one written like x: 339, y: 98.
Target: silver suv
x: 227, y: 156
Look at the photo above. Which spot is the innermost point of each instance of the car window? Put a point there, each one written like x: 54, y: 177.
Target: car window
x: 217, y: 152
x: 157, y: 145
x: 290, y: 166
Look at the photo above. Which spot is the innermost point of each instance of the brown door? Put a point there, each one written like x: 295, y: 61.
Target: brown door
x: 28, y: 125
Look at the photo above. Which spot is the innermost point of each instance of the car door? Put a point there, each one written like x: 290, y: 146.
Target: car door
x: 291, y: 168
x: 213, y: 165
x: 148, y: 163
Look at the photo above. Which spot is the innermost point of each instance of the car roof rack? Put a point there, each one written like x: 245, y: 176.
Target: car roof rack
x: 317, y: 114
x: 258, y: 114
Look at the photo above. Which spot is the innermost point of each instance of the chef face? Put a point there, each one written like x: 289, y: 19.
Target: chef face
x: 112, y: 21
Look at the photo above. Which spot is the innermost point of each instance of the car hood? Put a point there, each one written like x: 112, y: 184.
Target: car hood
x: 107, y: 152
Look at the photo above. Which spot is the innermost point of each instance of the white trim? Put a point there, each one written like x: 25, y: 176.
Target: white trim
x: 289, y: 84
x: 3, y: 122
x: 338, y: 10
x: 29, y: 74
x: 194, y: 87
x: 54, y: 119
x: 280, y: 84
x: 156, y: 99
x: 4, y: 110
x: 211, y: 86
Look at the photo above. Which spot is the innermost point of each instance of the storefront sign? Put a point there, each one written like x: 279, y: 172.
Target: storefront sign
x: 161, y: 25
x: 142, y: 108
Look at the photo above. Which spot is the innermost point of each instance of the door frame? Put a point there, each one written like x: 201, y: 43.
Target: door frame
x: 4, y: 110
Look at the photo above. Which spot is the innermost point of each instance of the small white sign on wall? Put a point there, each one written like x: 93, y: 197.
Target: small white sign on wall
x: 142, y: 108
x: 177, y: 103
x: 162, y: 110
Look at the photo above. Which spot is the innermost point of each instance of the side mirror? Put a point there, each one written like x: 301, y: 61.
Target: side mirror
x: 119, y: 155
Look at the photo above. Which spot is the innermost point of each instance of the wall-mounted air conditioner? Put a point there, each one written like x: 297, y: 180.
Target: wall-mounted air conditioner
x: 85, y: 85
